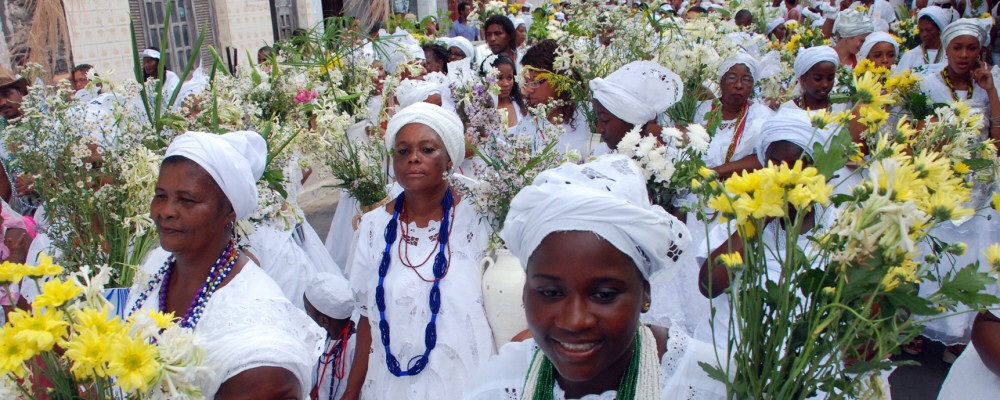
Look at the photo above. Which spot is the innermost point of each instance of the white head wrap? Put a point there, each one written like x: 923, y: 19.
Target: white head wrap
x: 150, y: 53
x: 638, y: 91
x: 851, y: 23
x: 965, y: 26
x: 793, y: 126
x: 463, y: 44
x: 938, y: 15
x: 809, y: 57
x: 331, y: 295
x: 875, y: 38
x: 773, y: 24
x: 235, y: 161
x: 517, y: 21
x: 445, y: 123
x: 399, y: 48
x: 740, y: 58
x: 411, y: 91
x: 607, y: 197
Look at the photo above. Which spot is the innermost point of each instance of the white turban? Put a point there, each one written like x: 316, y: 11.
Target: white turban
x: 607, y: 197
x: 445, y: 123
x: 793, y: 126
x: 875, y: 38
x: 331, y: 295
x: 773, y: 24
x: 517, y: 21
x: 937, y: 15
x: 809, y: 57
x: 150, y: 53
x: 235, y: 161
x: 412, y: 91
x: 638, y: 91
x: 965, y: 26
x: 463, y: 44
x: 851, y: 23
x: 401, y: 47
x: 740, y: 58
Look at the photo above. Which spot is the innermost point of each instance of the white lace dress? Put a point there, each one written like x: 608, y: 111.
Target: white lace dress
x: 464, y: 339
x: 247, y: 324
x: 681, y: 376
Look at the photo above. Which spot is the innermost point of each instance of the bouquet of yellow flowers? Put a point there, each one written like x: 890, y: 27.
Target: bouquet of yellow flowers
x: 70, y: 337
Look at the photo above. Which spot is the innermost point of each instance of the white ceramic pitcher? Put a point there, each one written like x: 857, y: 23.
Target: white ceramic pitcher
x: 503, y: 283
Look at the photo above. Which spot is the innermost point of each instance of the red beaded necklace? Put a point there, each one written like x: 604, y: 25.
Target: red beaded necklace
x: 403, y: 250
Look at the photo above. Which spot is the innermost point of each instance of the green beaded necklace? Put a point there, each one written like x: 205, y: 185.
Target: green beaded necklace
x: 626, y: 388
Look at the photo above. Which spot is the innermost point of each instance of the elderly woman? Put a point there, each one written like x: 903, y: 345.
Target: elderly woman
x: 256, y: 341
x: 930, y: 21
x: 542, y: 87
x: 426, y: 310
x: 460, y: 48
x: 633, y: 96
x: 732, y: 148
x: 815, y: 71
x: 590, y: 241
x: 881, y: 48
x: 850, y: 30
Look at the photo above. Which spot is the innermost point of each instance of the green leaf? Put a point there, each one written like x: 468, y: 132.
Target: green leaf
x: 829, y: 161
x: 715, y: 372
x: 968, y: 286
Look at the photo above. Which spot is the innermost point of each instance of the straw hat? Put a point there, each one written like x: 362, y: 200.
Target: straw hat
x: 9, y: 79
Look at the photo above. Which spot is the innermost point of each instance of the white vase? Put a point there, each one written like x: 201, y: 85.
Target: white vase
x: 503, y: 284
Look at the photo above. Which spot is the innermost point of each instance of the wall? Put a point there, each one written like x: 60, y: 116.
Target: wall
x: 244, y: 25
x: 310, y: 13
x: 99, y: 34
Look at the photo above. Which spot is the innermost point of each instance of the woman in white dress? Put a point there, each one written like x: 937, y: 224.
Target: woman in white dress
x: 257, y: 342
x: 850, y: 30
x: 964, y: 78
x: 540, y: 88
x: 634, y: 95
x: 930, y: 21
x: 415, y: 271
x: 589, y: 240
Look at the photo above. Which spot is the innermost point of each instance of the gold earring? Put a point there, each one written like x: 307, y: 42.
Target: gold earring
x: 645, y: 307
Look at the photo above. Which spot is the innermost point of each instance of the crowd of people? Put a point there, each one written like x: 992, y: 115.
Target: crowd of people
x: 618, y: 290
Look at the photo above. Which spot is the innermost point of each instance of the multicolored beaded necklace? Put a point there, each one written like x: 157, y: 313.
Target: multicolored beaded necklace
x: 216, y: 275
x: 951, y: 88
x: 440, y: 267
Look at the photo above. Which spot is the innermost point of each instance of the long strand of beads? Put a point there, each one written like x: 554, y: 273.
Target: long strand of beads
x: 440, y: 267
x: 226, y: 262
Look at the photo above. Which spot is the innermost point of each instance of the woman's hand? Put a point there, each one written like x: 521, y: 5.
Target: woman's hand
x: 983, y: 77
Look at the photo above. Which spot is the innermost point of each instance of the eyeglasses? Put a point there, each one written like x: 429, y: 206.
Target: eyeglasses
x: 535, y: 84
x: 731, y: 79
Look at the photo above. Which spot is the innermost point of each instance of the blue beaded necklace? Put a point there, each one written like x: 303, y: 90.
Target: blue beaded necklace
x: 216, y: 275
x: 440, y: 267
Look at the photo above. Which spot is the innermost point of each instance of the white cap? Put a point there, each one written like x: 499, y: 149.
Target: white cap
x: 150, y: 53
x: 331, y: 295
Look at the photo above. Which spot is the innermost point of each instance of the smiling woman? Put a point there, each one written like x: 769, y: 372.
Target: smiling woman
x: 590, y: 240
x: 258, y: 343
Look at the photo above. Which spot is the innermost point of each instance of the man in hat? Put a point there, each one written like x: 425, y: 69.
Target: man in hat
x: 151, y: 65
x: 13, y: 88
x: 330, y: 302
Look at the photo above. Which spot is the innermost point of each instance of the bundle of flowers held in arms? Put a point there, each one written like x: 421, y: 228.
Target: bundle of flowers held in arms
x: 670, y: 162
x: 506, y: 161
x: 93, y: 170
x: 69, y: 345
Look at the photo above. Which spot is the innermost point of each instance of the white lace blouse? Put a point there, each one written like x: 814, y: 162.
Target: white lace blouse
x: 464, y: 339
x: 681, y: 376
x: 247, y: 324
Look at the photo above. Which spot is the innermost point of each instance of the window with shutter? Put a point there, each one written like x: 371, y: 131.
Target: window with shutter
x: 187, y: 17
